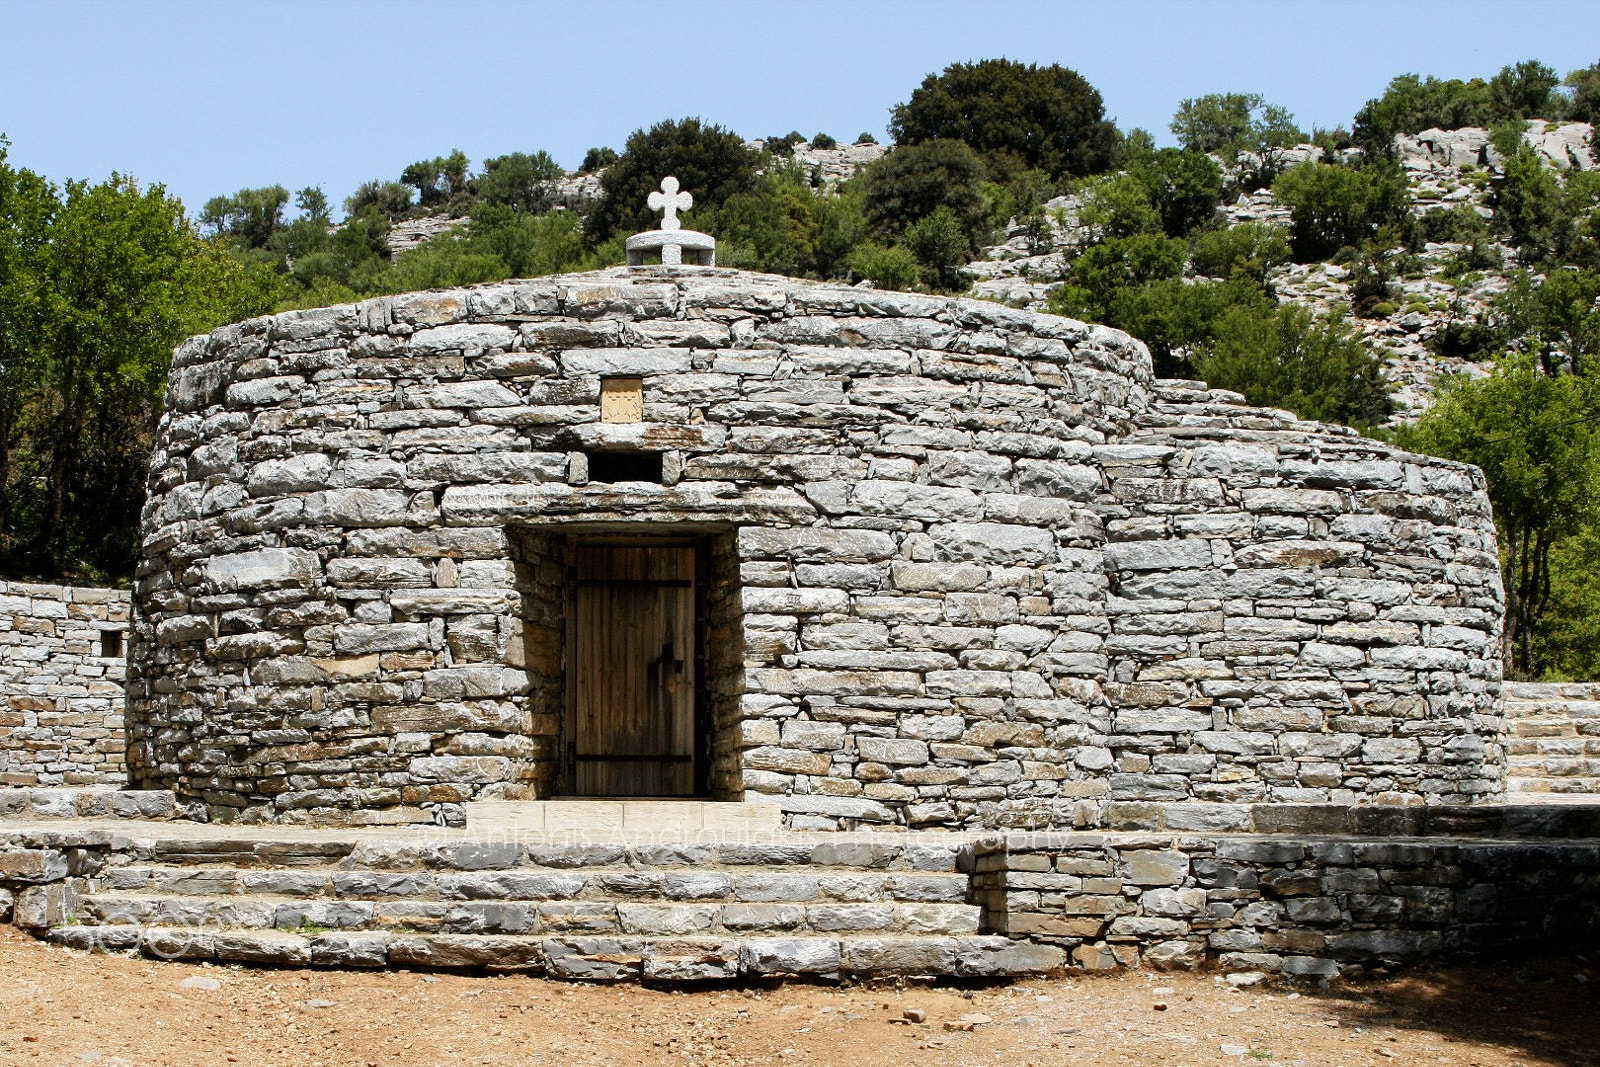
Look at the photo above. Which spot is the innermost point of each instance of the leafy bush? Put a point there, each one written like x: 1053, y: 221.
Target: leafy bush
x: 912, y: 183
x: 390, y: 198
x: 885, y: 266
x: 597, y: 159
x: 1288, y: 358
x: 709, y: 162
x: 1411, y: 104
x: 824, y: 142
x: 1232, y: 123
x: 1121, y: 263
x: 1117, y: 205
x: 518, y: 180
x: 1532, y: 435
x: 1555, y: 319
x: 1584, y: 105
x: 1172, y: 316
x: 1013, y: 115
x: 1183, y: 187
x: 784, y: 146
x: 1529, y: 207
x: 249, y: 217
x: 1460, y: 224
x: 865, y: 138
x: 1372, y: 282
x: 1525, y: 90
x: 941, y: 246
x: 1246, y: 251
x: 1332, y: 207
x: 438, y: 180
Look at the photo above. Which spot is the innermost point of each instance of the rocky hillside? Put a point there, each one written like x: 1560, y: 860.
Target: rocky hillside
x: 1446, y: 168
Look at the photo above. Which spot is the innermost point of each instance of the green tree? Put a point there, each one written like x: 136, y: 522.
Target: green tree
x: 519, y: 180
x: 1173, y: 316
x: 528, y: 245
x: 885, y: 266
x: 772, y: 228
x: 941, y: 246
x: 709, y: 162
x: 1532, y: 435
x: 1183, y: 187
x: 1014, y: 115
x: 1333, y: 207
x: 122, y: 280
x: 1118, y: 205
x: 1247, y: 251
x: 1412, y: 104
x: 27, y: 208
x: 438, y: 180
x: 391, y: 198
x: 1115, y: 265
x: 1554, y: 319
x: 1232, y: 123
x: 597, y: 159
x: 1530, y: 207
x: 1566, y: 643
x: 1584, y: 105
x: 912, y: 183
x: 1288, y: 358
x: 250, y: 216
x: 1525, y: 90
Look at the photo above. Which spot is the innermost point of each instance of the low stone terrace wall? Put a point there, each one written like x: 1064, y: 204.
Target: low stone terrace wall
x: 1552, y: 738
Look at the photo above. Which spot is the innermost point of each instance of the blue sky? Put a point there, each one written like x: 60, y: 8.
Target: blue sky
x: 210, y: 97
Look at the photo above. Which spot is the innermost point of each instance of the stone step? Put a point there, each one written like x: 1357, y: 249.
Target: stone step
x: 542, y: 852
x: 1556, y: 766
x: 598, y: 958
x: 522, y: 916
x: 752, y: 883
x: 627, y: 816
x: 1561, y: 746
x: 1581, y: 786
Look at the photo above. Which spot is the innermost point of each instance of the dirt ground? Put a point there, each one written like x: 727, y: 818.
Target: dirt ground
x: 63, y: 1007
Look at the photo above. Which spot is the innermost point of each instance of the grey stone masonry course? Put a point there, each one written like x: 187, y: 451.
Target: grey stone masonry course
x: 970, y: 567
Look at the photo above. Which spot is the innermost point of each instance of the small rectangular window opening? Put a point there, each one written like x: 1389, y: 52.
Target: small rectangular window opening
x: 625, y: 467
x: 111, y: 643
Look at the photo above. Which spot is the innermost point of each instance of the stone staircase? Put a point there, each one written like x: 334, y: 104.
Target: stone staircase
x: 696, y: 908
x: 1552, y: 738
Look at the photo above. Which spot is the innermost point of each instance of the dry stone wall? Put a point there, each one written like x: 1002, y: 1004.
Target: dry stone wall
x: 61, y: 676
x: 975, y: 566
x: 1552, y: 737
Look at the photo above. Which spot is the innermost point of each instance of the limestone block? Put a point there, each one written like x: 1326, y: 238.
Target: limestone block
x: 685, y: 959
x: 594, y: 958
x: 1158, y: 555
x: 267, y: 568
x: 459, y: 337
x: 771, y: 955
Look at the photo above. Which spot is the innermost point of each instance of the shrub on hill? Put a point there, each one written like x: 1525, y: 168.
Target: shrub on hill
x: 1014, y: 115
x: 709, y: 161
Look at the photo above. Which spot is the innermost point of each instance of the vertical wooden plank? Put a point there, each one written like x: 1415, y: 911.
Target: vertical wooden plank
x: 635, y: 670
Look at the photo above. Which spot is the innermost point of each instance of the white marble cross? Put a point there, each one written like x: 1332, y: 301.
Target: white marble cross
x: 670, y: 202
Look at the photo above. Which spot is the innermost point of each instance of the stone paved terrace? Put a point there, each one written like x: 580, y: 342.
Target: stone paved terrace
x: 1306, y: 890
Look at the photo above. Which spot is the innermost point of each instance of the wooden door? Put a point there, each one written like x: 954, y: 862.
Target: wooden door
x: 634, y: 671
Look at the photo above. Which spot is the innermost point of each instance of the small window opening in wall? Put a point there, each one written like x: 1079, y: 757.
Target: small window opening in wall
x: 625, y: 467
x: 111, y: 643
x: 621, y: 399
